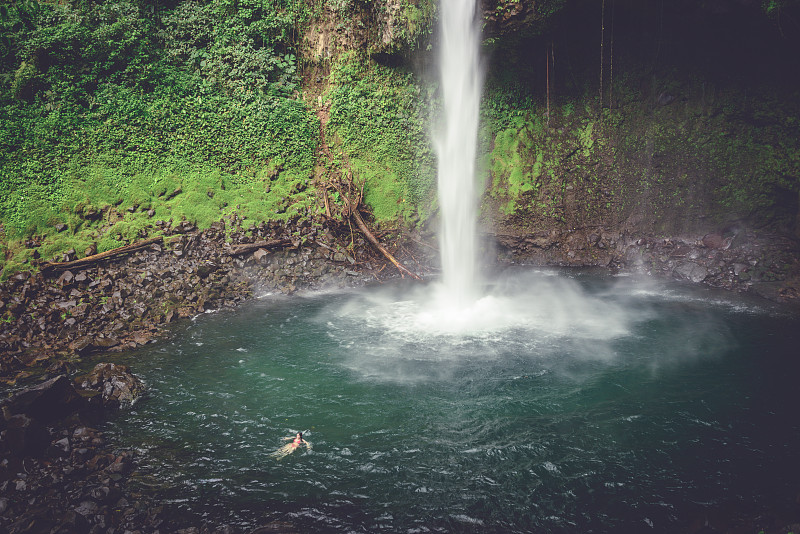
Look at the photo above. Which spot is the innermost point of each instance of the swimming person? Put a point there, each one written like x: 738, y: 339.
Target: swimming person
x: 289, y: 448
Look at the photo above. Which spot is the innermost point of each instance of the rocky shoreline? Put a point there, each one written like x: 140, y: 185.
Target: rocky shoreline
x: 59, y: 475
x: 126, y: 302
x: 123, y: 303
x: 57, y: 472
x: 736, y: 259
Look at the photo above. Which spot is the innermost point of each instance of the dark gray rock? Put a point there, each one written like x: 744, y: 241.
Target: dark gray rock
x: 690, y: 271
x: 46, y: 402
x: 87, y: 507
x: 24, y: 436
x: 118, y: 387
x: 260, y: 256
x: 65, y: 279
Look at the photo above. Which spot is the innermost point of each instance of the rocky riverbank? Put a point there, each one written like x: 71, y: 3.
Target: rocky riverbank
x: 122, y: 303
x: 57, y: 473
x: 737, y: 259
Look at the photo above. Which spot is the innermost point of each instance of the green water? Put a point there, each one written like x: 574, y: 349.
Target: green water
x: 569, y: 403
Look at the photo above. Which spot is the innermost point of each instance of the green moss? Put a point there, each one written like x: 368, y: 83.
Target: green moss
x: 384, y: 193
x: 587, y: 139
x: 516, y: 164
x: 378, y: 127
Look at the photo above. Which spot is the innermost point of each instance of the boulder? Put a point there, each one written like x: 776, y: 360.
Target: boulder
x: 24, y: 436
x: 118, y: 387
x: 690, y: 271
x: 65, y: 279
x: 89, y: 344
x: 49, y: 401
x: 260, y: 256
x: 715, y: 240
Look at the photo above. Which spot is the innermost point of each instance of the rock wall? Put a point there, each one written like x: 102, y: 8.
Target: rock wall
x: 741, y: 260
x: 406, y: 27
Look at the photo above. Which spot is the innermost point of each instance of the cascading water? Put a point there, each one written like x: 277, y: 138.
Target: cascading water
x: 461, y: 82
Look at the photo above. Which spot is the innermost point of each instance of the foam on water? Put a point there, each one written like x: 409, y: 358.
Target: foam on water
x: 544, y: 306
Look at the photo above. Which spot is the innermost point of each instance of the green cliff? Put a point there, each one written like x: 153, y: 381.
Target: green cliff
x: 620, y: 115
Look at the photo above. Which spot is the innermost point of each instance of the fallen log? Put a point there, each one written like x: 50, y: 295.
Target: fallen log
x: 372, y: 239
x: 236, y: 250
x: 94, y: 258
x: 352, y: 210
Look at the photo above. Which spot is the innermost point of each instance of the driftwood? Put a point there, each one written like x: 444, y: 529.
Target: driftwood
x: 372, y: 239
x: 235, y: 250
x: 94, y: 258
x: 352, y: 210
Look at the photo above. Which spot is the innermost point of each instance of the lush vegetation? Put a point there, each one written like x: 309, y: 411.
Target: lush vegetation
x: 110, y: 107
x: 701, y: 161
x: 379, y: 129
x: 117, y: 114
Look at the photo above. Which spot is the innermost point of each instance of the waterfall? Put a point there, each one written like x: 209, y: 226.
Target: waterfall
x: 461, y: 80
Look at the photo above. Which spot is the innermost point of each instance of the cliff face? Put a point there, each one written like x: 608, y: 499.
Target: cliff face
x: 630, y: 116
x: 404, y: 27
x: 391, y: 27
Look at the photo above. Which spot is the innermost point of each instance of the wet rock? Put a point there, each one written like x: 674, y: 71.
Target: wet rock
x: 118, y: 387
x: 65, y: 279
x: 105, y: 494
x: 121, y: 464
x: 73, y: 522
x: 81, y: 455
x: 87, y: 507
x: 99, y: 461
x: 714, y: 240
x: 690, y: 271
x: 205, y: 269
x: 82, y: 345
x: 141, y: 338
x: 85, y: 434
x: 51, y: 400
x: 260, y: 256
x: 24, y: 435
x: 88, y: 344
x: 60, y: 447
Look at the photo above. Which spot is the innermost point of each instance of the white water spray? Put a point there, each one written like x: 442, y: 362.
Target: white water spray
x: 461, y: 82
x: 420, y: 326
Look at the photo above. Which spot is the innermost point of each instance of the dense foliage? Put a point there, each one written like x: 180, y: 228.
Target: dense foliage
x: 379, y: 124
x: 666, y: 166
x: 102, y: 103
x: 115, y: 114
